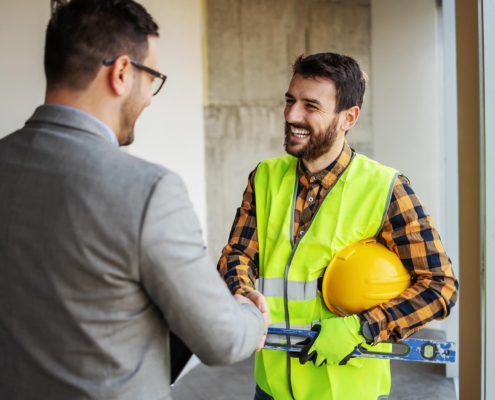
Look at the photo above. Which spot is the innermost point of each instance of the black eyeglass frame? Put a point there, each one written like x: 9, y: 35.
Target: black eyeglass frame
x: 156, y: 74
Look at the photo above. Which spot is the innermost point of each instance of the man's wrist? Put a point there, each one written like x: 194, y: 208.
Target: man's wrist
x: 365, y: 330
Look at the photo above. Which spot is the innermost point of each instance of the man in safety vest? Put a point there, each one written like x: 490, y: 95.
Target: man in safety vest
x: 299, y: 210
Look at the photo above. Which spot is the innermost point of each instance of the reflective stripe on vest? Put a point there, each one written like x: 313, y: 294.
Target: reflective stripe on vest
x: 353, y: 210
x: 296, y: 290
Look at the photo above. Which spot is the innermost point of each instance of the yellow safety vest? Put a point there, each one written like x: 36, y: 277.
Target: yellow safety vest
x: 353, y: 210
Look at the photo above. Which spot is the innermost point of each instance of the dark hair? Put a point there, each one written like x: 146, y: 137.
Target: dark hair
x: 343, y: 71
x: 82, y: 33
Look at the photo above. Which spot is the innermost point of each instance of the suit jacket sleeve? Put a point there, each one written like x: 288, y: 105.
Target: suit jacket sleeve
x: 183, y: 282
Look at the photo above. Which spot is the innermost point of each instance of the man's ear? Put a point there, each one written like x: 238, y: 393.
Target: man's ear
x: 121, y: 75
x: 351, y: 117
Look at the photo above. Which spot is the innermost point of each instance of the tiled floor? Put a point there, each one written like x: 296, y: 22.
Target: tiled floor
x: 410, y: 381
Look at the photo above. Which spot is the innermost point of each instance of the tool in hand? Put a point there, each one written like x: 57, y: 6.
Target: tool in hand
x: 359, y: 277
x: 432, y: 351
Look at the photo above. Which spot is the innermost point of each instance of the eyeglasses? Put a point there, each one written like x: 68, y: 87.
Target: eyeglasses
x: 157, y: 82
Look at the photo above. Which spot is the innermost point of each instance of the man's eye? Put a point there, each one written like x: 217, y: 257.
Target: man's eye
x: 289, y: 101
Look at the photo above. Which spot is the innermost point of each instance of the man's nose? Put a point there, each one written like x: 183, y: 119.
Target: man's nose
x: 293, y: 113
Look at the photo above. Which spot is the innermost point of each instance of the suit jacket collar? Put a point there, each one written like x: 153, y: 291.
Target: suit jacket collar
x: 64, y: 117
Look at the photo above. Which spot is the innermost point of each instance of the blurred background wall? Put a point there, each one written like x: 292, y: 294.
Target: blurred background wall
x: 170, y: 131
x: 403, y: 46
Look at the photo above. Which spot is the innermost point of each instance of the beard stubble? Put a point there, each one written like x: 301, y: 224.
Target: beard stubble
x: 317, y: 146
x: 130, y: 112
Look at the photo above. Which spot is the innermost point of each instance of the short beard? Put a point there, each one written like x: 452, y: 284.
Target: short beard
x: 317, y: 146
x: 129, y: 114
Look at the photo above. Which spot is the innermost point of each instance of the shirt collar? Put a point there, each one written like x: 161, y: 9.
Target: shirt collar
x: 328, y: 176
x: 108, y: 131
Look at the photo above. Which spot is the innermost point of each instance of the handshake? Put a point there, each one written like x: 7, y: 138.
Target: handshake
x: 256, y: 298
x: 337, y: 339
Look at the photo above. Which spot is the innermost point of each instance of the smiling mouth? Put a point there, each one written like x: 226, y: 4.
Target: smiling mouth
x: 299, y: 132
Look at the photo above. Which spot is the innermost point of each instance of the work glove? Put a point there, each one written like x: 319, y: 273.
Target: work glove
x: 337, y: 340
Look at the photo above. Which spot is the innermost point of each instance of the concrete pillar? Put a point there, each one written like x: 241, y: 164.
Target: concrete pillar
x: 251, y: 46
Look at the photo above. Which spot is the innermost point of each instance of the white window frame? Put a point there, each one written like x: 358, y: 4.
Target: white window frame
x: 487, y: 128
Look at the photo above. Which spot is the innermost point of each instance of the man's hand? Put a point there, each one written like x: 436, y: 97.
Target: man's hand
x: 259, y: 300
x: 337, y: 340
x: 256, y: 298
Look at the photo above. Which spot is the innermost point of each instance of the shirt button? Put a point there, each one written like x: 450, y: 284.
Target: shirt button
x: 310, y: 199
x: 301, y: 233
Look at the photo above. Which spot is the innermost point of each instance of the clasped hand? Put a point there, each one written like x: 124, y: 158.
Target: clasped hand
x: 256, y: 298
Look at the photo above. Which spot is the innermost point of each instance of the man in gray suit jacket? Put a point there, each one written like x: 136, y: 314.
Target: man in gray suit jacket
x: 101, y: 254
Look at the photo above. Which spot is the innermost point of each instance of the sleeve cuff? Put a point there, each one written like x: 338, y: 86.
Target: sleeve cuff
x: 373, y: 326
x: 242, y: 290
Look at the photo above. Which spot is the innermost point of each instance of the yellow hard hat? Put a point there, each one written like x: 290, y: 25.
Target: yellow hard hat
x: 361, y: 276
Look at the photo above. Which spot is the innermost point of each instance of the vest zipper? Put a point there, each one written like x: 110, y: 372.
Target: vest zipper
x: 287, y: 267
x: 286, y: 280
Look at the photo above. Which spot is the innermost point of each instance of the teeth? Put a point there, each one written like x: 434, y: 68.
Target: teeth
x: 298, y: 132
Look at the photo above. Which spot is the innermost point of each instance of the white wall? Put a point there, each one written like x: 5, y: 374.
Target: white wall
x: 22, y: 80
x: 170, y: 131
x: 451, y: 201
x: 415, y: 113
x: 406, y: 94
x: 407, y: 82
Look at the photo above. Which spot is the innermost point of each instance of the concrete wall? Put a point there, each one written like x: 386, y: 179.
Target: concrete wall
x: 251, y: 46
x: 170, y: 131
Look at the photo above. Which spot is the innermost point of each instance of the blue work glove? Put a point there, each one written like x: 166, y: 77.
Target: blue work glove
x: 337, y: 340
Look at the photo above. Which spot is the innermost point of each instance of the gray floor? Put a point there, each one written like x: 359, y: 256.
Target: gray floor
x: 410, y: 381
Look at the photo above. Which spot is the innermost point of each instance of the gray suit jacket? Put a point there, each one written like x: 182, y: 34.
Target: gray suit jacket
x: 100, y: 255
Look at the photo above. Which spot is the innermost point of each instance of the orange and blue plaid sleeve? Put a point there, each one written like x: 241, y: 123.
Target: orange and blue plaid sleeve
x: 238, y: 265
x: 409, y: 231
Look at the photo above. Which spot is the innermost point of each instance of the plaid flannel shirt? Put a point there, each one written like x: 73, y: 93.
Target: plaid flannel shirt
x: 407, y: 230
